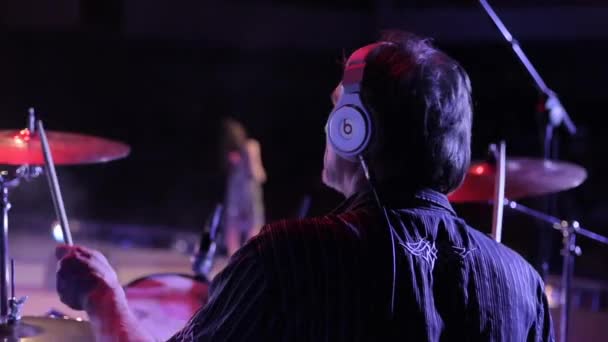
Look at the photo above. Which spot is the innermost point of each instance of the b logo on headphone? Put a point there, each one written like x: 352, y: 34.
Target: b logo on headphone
x: 350, y: 124
x: 347, y: 128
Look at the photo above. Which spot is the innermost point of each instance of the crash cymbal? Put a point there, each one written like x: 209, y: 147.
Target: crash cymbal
x: 19, y: 147
x: 42, y: 329
x: 525, y: 177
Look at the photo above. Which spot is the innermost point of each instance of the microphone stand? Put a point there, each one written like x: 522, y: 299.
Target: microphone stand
x: 557, y: 113
x: 556, y: 116
x: 202, y: 261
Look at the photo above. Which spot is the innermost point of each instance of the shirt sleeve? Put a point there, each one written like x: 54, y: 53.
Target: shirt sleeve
x: 238, y: 307
x: 543, y: 327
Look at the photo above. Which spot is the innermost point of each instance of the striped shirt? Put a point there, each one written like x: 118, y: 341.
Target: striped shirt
x: 330, y: 279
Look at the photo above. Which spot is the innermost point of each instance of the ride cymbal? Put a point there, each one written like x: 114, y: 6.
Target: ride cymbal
x: 20, y: 147
x: 525, y: 177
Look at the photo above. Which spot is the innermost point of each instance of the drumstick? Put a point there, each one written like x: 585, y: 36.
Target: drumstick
x: 499, y: 192
x: 54, y: 185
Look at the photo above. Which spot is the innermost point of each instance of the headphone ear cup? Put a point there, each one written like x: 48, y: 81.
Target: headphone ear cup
x: 348, y: 129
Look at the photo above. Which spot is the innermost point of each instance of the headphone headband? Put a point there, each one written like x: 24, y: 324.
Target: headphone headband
x: 355, y: 67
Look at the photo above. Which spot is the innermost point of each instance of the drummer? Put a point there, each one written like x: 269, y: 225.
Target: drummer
x: 400, y: 268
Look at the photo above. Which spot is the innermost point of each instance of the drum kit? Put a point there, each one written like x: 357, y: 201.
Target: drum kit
x: 163, y: 303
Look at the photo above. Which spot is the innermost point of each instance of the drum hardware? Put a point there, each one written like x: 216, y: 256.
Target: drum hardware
x: 53, y: 313
x: 553, y: 113
x: 28, y: 148
x: 477, y: 186
x: 569, y: 231
x: 202, y: 260
x: 14, y: 304
x: 525, y: 177
x: 10, y: 308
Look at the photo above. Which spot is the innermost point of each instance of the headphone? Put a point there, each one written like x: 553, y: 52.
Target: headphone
x: 350, y: 124
x: 349, y: 131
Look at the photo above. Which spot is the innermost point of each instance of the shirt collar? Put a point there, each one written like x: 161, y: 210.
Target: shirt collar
x: 421, y: 198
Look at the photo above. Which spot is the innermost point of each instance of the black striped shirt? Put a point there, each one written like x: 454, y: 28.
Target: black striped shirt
x: 330, y: 279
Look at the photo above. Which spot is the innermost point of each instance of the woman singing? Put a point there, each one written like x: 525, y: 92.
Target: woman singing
x: 244, y: 201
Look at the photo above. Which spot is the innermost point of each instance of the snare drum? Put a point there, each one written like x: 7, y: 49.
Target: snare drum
x: 165, y: 302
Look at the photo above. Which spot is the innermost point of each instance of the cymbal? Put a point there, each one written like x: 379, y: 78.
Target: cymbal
x: 41, y: 329
x: 19, y: 147
x: 525, y: 177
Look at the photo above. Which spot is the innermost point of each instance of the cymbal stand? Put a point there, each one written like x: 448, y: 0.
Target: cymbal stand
x: 5, y: 184
x: 569, y: 231
x: 15, y: 304
x: 9, y: 307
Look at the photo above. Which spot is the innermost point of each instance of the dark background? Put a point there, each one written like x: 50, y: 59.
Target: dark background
x: 159, y: 76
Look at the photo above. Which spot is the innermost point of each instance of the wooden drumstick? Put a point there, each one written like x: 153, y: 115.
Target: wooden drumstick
x: 499, y: 192
x: 54, y: 185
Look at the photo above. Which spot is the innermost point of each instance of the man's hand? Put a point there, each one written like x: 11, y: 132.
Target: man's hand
x: 86, y: 281
x: 84, y: 277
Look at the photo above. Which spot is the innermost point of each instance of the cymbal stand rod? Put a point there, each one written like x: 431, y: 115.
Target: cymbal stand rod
x: 6, y: 206
x: 570, y: 249
x: 555, y: 222
x: 14, y: 303
x: 54, y: 185
x: 12, y: 276
x: 31, y: 120
x: 591, y: 235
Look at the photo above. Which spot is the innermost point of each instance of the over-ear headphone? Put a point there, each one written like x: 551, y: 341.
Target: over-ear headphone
x: 350, y: 124
x: 349, y: 130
